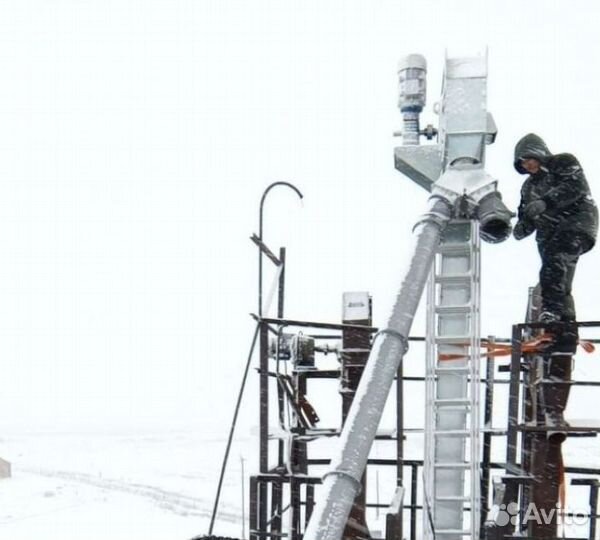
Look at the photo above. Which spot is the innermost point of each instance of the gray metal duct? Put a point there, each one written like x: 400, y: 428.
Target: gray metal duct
x: 494, y: 218
x: 342, y: 482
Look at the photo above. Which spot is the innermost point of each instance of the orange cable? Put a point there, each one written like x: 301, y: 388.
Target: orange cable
x: 493, y: 350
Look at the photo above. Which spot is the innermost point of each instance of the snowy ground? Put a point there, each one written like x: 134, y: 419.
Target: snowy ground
x: 115, y: 486
x: 156, y: 484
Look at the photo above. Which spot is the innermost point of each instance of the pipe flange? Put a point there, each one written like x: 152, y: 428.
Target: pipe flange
x: 345, y: 474
x: 394, y: 333
x: 439, y: 213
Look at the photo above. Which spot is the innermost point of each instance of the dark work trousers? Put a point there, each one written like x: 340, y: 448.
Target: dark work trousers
x: 559, y: 259
x: 557, y: 368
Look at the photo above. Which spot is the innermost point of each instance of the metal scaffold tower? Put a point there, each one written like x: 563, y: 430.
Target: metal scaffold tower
x: 453, y: 492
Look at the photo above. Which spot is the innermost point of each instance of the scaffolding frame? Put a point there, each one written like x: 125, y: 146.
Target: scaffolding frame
x: 275, y: 492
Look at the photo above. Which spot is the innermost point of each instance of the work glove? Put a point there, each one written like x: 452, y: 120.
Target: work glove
x: 521, y: 230
x: 534, y: 209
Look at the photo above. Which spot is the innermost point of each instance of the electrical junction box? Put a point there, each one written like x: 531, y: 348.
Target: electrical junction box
x: 356, y: 306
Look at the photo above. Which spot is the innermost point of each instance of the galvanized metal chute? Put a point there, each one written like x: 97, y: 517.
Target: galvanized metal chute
x: 453, y: 171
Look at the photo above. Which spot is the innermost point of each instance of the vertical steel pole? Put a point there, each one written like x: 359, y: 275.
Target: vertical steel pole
x: 400, y: 438
x: 253, y: 509
x: 513, y: 398
x: 487, y: 435
x: 512, y: 489
x: 400, y: 425
x: 593, y: 510
x: 299, y: 450
x: 414, y: 482
x: 294, y: 508
x: 355, y: 353
x: 281, y: 289
x: 263, y: 425
x: 310, y: 503
x: 277, y: 491
x: 533, y: 445
x: 243, y: 503
x: 276, y: 505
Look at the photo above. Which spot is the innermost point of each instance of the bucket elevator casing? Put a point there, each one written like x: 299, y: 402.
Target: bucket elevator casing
x: 453, y: 171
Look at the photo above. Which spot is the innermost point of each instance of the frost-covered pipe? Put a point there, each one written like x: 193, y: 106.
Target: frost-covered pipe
x: 342, y: 482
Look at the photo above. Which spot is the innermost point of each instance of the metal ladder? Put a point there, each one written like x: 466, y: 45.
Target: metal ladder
x: 452, y: 430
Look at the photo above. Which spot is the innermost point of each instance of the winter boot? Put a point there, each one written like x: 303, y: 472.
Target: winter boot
x: 557, y: 395
x: 557, y: 422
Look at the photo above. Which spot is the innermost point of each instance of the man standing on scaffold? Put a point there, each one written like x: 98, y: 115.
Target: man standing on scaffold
x: 556, y: 202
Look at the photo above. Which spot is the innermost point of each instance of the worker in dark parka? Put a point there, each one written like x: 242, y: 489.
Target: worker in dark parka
x: 556, y: 203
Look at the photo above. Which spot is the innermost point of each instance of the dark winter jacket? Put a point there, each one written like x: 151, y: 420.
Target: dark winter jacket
x: 561, y: 184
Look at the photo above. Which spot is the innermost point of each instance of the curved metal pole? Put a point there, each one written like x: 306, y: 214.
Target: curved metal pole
x: 250, y: 353
x: 260, y: 234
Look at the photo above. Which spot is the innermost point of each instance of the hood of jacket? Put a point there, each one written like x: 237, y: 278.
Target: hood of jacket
x: 530, y: 146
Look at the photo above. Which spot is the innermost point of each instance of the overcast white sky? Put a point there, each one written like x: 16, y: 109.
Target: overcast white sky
x: 136, y: 138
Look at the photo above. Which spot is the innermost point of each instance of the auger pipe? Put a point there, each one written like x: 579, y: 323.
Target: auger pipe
x: 342, y: 483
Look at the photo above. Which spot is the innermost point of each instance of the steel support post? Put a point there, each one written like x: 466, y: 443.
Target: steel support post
x: 298, y: 462
x: 355, y: 352
x: 593, y: 510
x: 253, y: 509
x: 294, y: 508
x: 512, y: 487
x: 513, y: 399
x: 532, y: 445
x: 310, y: 503
x: 281, y: 284
x: 400, y: 439
x: 487, y: 435
x: 400, y: 426
x: 263, y: 425
x: 414, y: 482
x: 280, y: 397
x: 393, y: 518
x: 276, y: 506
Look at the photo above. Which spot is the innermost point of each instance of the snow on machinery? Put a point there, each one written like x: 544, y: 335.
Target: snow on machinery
x: 464, y: 207
x: 453, y: 171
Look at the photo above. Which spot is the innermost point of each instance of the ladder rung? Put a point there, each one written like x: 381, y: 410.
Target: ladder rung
x: 453, y: 498
x: 454, y: 278
x: 454, y: 249
x: 449, y: 465
x: 457, y: 369
x: 452, y: 401
x: 452, y: 432
x: 453, y: 340
x: 451, y: 310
